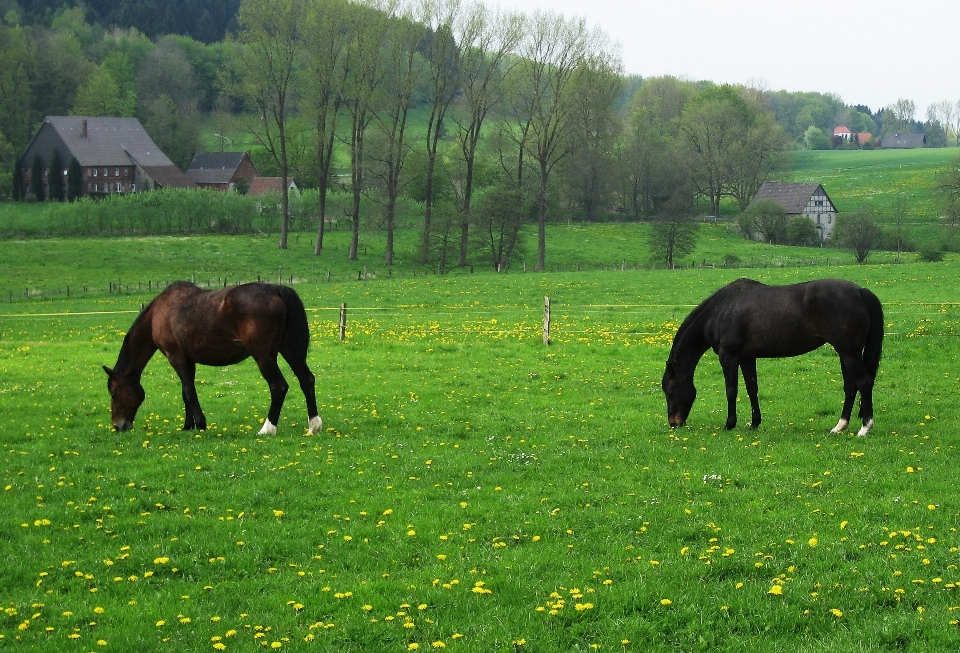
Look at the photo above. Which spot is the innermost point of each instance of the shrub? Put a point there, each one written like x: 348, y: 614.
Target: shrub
x: 930, y: 254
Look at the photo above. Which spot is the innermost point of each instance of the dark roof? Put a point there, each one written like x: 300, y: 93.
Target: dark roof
x: 108, y: 141
x: 169, y: 176
x: 214, y: 167
x: 903, y: 141
x: 792, y: 197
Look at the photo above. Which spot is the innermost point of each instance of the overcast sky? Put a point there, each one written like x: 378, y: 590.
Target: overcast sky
x: 868, y: 53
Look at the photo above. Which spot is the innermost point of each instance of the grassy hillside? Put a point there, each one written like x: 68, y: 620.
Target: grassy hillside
x: 853, y: 178
x: 41, y: 268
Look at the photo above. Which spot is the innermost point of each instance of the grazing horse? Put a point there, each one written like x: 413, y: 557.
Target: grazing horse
x: 747, y: 320
x: 215, y: 327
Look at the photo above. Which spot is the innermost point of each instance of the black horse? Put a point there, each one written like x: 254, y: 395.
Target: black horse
x: 747, y: 320
x: 219, y: 327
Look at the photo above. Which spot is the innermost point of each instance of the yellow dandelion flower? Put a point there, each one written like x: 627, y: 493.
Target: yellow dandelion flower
x: 776, y: 590
x: 666, y: 602
x: 836, y: 613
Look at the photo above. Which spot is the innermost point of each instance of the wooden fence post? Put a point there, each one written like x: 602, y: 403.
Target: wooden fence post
x: 343, y: 321
x: 546, y: 320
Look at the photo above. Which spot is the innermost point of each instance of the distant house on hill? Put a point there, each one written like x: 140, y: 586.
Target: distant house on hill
x: 902, y: 141
x: 843, y: 133
x: 116, y: 155
x: 261, y: 185
x: 808, y: 200
x: 221, y: 170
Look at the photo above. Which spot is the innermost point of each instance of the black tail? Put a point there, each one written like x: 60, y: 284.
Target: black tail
x: 871, y: 351
x: 296, y: 333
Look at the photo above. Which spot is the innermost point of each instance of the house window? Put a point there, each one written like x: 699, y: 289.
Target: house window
x: 133, y: 188
x: 95, y: 188
x: 116, y: 172
x: 126, y: 172
x: 105, y: 172
x: 95, y: 172
x: 119, y: 187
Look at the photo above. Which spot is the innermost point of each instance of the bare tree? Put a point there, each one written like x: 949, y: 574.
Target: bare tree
x: 270, y: 44
x: 443, y: 65
x: 486, y: 39
x: 370, y: 26
x: 858, y: 232
x: 554, y: 50
x: 403, y: 71
x: 327, y: 38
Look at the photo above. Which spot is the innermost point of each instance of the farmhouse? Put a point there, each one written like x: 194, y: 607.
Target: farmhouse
x: 116, y: 155
x: 809, y: 200
x: 221, y: 170
x: 902, y: 141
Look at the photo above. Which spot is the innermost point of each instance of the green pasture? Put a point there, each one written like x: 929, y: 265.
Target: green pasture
x: 876, y: 178
x: 35, y: 270
x: 473, y: 489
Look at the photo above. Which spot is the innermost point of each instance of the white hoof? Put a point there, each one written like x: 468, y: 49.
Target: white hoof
x: 841, y: 425
x: 315, y: 425
x: 268, y: 428
x: 865, y: 429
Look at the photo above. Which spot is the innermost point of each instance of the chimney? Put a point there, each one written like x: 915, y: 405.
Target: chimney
x: 83, y: 127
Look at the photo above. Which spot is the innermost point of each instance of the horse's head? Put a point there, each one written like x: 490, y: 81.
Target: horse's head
x: 125, y: 399
x: 680, y: 394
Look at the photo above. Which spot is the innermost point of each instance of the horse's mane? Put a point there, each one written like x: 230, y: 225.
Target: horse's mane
x: 123, y: 358
x: 702, y: 309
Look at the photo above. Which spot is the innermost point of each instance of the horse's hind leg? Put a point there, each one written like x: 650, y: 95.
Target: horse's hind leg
x: 855, y: 377
x: 308, y: 384
x: 278, y: 390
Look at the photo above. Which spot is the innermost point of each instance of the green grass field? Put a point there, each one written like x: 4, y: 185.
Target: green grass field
x: 854, y: 178
x: 473, y: 490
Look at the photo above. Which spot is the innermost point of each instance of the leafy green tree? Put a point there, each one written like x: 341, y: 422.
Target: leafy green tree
x: 727, y: 155
x: 17, y: 69
x: 802, y: 232
x: 55, y: 177
x: 100, y: 95
x: 36, y: 177
x: 768, y: 219
x: 74, y: 180
x: 672, y: 237
x: 498, y: 217
x: 857, y: 232
x: 815, y: 139
x: 17, y: 181
x: 948, y: 190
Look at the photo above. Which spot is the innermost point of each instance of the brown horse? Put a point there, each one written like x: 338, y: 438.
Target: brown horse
x: 747, y: 320
x: 218, y: 327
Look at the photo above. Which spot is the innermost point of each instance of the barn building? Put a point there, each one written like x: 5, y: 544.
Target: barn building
x: 221, y: 170
x: 809, y: 200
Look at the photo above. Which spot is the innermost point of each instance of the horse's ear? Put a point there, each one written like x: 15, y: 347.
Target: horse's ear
x: 108, y: 370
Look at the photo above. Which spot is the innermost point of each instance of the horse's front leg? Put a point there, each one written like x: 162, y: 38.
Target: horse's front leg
x: 193, y: 414
x: 749, y: 369
x: 278, y: 390
x: 730, y: 366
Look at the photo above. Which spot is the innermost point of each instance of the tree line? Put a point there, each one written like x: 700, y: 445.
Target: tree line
x: 488, y: 119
